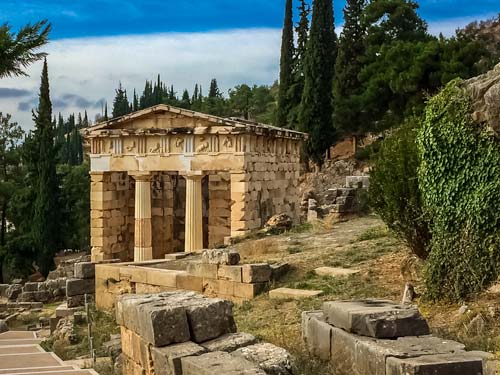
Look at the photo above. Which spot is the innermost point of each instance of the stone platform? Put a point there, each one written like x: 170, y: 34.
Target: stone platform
x: 383, y: 338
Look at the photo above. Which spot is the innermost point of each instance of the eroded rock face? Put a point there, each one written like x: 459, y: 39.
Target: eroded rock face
x: 484, y: 91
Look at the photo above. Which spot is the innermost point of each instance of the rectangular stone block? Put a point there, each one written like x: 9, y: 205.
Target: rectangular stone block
x: 229, y: 342
x: 130, y: 367
x: 134, y: 347
x: 249, y: 291
x: 231, y: 273
x: 289, y: 293
x: 203, y: 270
x: 190, y: 282
x: 31, y: 287
x: 218, y: 363
x: 270, y: 358
x: 85, y: 270
x: 442, y: 364
x: 376, y: 318
x: 256, y: 273
x: 166, y: 278
x: 167, y: 360
x: 76, y: 287
x: 317, y: 334
x: 79, y: 300
x: 228, y: 257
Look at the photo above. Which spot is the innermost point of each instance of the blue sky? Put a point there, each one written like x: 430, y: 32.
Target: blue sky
x: 95, y: 44
x: 84, y: 18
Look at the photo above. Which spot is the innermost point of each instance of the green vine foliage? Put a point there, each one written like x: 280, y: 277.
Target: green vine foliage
x: 459, y: 177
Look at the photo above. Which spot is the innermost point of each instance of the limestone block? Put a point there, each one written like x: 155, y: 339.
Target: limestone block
x: 376, y: 318
x: 30, y: 287
x: 167, y: 360
x: 231, y: 273
x: 249, y: 291
x: 130, y: 367
x: 443, y: 364
x: 288, y: 293
x: 134, y: 273
x: 229, y: 342
x: 166, y: 278
x: 85, y: 270
x: 76, y: 287
x: 134, y: 347
x: 270, y: 358
x: 189, y: 282
x: 279, y: 270
x: 203, y: 270
x: 256, y: 273
x: 334, y: 271
x: 218, y: 363
x: 220, y: 256
x: 63, y: 310
x: 79, y: 300
x: 317, y: 334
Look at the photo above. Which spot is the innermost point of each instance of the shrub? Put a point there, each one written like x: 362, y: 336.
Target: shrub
x: 459, y: 178
x: 394, y: 191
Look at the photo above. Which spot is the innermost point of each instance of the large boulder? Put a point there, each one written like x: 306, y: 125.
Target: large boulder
x: 484, y: 90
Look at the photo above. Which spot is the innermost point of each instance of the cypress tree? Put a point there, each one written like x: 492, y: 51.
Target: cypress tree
x: 185, y: 101
x: 120, y: 104
x: 286, y: 67
x: 106, y: 112
x: 135, y: 104
x: 295, y: 93
x: 45, y: 229
x: 317, y: 105
x: 347, y: 68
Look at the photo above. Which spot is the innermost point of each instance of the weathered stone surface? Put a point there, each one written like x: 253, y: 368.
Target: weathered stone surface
x: 279, y: 223
x: 203, y: 270
x: 270, y: 358
x: 256, y: 273
x: 228, y: 257
x: 3, y: 290
x: 176, y: 256
x: 31, y: 287
x: 484, y: 91
x: 442, y: 364
x: 317, y: 334
x: 3, y: 326
x: 288, y: 293
x: 63, y: 310
x: 229, y: 342
x: 335, y: 272
x: 75, y: 287
x: 376, y: 318
x: 230, y: 273
x: 13, y: 291
x: 167, y: 360
x: 85, y: 270
x: 279, y: 270
x: 218, y: 363
x: 78, y: 301
x: 357, y: 181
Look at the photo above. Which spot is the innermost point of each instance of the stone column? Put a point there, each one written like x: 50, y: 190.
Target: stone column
x: 143, y: 244
x: 194, y: 213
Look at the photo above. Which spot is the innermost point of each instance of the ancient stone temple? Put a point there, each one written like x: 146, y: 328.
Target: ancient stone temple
x: 165, y: 179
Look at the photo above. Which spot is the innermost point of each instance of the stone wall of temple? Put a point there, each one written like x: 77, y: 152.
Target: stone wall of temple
x: 219, y: 215
x: 110, y: 225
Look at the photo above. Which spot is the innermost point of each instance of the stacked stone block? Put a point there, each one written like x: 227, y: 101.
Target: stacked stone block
x: 162, y: 212
x: 382, y: 338
x: 219, y: 213
x: 189, y: 334
x: 83, y: 284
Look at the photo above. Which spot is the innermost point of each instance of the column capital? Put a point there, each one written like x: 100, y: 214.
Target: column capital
x: 141, y: 176
x: 192, y: 174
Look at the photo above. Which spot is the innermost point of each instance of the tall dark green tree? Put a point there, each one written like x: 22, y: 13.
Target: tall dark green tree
x: 45, y: 228
x: 317, y: 105
x: 351, y: 50
x: 286, y: 67
x: 214, y: 104
x: 120, y: 104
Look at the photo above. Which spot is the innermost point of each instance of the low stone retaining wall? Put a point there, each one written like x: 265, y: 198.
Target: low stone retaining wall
x: 186, y: 333
x: 382, y: 338
x: 217, y: 274
x: 82, y: 284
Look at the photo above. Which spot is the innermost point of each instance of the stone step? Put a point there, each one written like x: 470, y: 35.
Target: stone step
x: 20, y: 349
x: 20, y: 342
x: 34, y: 360
x: 56, y: 372
x: 37, y: 370
x: 288, y: 293
x: 17, y: 335
x: 334, y: 271
x: 376, y: 318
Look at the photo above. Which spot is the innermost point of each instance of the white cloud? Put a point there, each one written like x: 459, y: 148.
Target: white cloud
x: 448, y: 26
x: 92, y: 67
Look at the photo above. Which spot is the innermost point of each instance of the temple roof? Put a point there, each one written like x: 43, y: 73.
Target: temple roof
x: 227, y: 125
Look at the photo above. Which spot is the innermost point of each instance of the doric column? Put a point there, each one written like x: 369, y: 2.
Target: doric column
x: 194, y: 213
x: 143, y: 244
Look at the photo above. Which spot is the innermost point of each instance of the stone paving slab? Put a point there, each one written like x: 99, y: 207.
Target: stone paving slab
x: 15, y: 361
x: 443, y: 364
x: 20, y: 342
x: 376, y: 318
x: 218, y: 363
x: 20, y: 349
x: 286, y: 293
x: 334, y: 271
x: 17, y: 335
x: 38, y: 370
x: 229, y: 342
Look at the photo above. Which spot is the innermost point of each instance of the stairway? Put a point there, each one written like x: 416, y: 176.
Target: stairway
x: 21, y: 354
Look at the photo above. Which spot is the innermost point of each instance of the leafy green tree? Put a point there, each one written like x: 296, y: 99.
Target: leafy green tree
x: 18, y: 51
x: 316, y: 106
x: 348, y: 65
x: 286, y: 67
x: 240, y: 101
x: 186, y: 100
x: 11, y: 135
x: 120, y: 104
x: 46, y: 216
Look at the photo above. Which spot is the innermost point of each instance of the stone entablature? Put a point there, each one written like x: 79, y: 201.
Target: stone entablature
x: 157, y: 169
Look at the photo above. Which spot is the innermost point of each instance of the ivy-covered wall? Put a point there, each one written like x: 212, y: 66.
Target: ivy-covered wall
x: 459, y: 178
